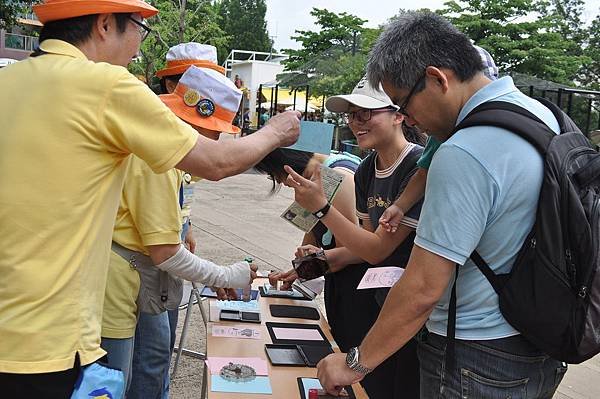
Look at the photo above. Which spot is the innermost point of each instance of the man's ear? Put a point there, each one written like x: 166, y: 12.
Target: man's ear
x: 438, y: 77
x: 104, y: 23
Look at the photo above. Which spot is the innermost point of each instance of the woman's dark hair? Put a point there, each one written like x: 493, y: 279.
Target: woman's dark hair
x: 163, y: 82
x: 413, y: 134
x: 273, y: 163
x: 79, y: 29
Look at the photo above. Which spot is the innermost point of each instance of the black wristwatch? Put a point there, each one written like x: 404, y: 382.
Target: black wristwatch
x: 352, y: 361
x: 322, y: 212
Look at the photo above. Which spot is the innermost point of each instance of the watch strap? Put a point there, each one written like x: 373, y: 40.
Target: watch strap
x: 354, y: 364
x: 322, y: 212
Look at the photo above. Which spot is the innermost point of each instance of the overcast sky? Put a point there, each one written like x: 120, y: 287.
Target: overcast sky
x: 286, y: 16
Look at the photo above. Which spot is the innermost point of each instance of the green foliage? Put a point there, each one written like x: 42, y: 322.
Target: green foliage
x: 590, y: 73
x: 10, y: 10
x: 337, y: 34
x: 178, y: 21
x: 536, y: 37
x: 332, y: 58
x: 245, y: 25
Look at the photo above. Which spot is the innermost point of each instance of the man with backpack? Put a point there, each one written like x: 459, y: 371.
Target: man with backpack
x: 481, y: 202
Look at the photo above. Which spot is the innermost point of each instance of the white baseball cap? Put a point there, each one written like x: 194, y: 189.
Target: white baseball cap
x: 363, y: 95
x: 181, y: 56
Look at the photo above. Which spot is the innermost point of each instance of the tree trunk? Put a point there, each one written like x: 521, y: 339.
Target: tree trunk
x: 182, y: 20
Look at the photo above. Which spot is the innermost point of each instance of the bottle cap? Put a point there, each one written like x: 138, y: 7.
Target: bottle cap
x: 313, y: 393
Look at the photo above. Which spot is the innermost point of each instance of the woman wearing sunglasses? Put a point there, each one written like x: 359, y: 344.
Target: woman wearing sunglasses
x: 380, y: 178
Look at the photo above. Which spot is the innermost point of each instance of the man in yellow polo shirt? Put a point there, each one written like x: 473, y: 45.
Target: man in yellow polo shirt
x: 70, y: 118
x: 149, y: 217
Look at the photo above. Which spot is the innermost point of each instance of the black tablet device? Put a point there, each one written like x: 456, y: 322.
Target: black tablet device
x: 297, y: 334
x: 294, y: 312
x: 269, y: 293
x: 296, y: 355
x: 236, y: 315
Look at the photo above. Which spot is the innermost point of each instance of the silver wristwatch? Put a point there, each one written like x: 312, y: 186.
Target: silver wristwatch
x: 352, y: 361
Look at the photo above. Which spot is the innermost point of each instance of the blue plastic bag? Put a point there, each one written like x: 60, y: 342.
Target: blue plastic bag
x: 99, y: 382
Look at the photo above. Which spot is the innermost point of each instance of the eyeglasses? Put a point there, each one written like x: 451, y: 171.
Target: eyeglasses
x: 364, y: 115
x: 412, y: 92
x: 144, y: 29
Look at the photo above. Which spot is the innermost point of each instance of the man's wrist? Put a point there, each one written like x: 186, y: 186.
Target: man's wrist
x: 353, y: 361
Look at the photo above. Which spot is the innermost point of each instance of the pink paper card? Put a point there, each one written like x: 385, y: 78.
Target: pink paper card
x: 297, y: 334
x: 215, y: 364
x: 235, y: 332
x: 380, y: 277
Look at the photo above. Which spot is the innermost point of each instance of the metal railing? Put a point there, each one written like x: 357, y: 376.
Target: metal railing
x: 583, y: 106
x: 28, y: 15
x: 236, y: 56
x: 20, y: 42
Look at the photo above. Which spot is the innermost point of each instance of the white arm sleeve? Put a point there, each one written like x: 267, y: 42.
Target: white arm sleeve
x: 189, y: 267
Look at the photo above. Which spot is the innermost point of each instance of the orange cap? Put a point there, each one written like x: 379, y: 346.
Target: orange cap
x: 178, y: 67
x: 53, y: 10
x: 205, y: 98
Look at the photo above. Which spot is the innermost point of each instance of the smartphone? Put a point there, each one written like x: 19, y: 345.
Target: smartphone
x: 311, y: 266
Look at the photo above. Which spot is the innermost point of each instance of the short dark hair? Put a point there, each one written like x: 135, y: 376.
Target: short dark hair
x: 416, y: 40
x: 172, y: 78
x: 79, y: 29
x: 273, y: 163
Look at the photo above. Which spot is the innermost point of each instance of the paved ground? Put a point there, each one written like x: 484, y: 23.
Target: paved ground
x: 235, y: 218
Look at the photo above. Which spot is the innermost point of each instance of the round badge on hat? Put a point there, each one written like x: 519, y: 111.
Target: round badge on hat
x: 191, y: 97
x: 205, y: 107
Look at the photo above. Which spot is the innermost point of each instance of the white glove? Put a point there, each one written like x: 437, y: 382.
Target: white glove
x: 189, y: 267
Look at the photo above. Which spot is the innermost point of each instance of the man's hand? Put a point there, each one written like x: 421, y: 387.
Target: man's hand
x: 189, y: 241
x: 334, y: 374
x: 308, y: 193
x: 253, y: 270
x: 391, y: 218
x: 306, y: 250
x: 226, y: 294
x: 288, y: 279
x: 286, y: 127
x: 230, y: 294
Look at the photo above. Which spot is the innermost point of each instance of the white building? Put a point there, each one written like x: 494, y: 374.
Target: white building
x: 253, y: 68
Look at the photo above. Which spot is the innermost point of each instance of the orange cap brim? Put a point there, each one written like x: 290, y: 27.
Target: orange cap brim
x: 65, y: 9
x: 178, y: 67
x: 219, y: 121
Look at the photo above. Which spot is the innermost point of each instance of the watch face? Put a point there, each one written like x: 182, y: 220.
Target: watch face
x: 351, y: 357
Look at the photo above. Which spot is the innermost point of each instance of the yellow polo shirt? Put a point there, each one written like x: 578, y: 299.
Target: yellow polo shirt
x: 148, y: 214
x: 68, y: 126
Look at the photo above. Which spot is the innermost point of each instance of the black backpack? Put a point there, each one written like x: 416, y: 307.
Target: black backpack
x: 552, y: 294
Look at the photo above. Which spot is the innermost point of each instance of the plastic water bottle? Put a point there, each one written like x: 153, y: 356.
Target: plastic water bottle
x: 247, y: 290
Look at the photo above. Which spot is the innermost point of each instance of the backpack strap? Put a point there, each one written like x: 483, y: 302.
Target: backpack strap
x: 485, y: 269
x: 565, y: 123
x: 513, y: 118
x: 450, y: 359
